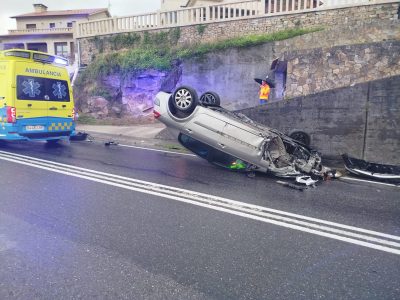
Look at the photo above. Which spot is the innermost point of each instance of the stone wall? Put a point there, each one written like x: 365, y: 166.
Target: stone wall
x: 89, y: 47
x: 230, y: 73
x: 316, y: 70
x: 362, y: 120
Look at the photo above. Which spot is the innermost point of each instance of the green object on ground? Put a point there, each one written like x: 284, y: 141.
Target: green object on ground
x: 237, y: 165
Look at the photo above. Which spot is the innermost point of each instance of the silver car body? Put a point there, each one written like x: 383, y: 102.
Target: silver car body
x: 265, y: 149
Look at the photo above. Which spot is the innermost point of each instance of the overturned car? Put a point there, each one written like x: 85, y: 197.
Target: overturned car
x: 230, y: 139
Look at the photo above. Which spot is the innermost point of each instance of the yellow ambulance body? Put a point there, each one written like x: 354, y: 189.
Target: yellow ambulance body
x: 36, y: 101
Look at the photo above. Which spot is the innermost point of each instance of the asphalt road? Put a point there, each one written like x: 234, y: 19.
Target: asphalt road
x: 85, y: 221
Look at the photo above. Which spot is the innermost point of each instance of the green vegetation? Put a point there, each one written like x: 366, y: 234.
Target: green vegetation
x: 99, y: 43
x: 86, y: 119
x: 160, y: 51
x: 175, y: 35
x: 120, y: 41
x: 201, y: 28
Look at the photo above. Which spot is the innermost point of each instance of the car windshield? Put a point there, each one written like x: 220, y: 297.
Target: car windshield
x: 42, y: 89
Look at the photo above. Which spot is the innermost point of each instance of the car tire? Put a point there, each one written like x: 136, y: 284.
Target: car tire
x: 184, y: 101
x: 210, y: 99
x: 301, y: 137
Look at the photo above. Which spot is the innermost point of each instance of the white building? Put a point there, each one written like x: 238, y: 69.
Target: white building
x: 49, y: 31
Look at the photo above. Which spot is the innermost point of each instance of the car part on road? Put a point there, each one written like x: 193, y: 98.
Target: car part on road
x: 306, y: 180
x: 377, y: 171
x: 293, y: 186
x: 80, y: 136
x: 210, y: 99
x: 332, y: 174
x: 111, y: 143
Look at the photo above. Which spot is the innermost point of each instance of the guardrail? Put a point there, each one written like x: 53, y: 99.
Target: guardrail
x: 210, y: 14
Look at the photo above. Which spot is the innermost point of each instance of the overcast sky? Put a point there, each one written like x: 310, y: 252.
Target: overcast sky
x: 10, y: 8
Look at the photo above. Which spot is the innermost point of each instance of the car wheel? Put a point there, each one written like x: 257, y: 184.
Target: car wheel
x: 184, y: 100
x: 301, y: 137
x: 210, y: 99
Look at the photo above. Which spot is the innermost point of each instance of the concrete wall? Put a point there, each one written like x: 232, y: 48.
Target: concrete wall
x: 363, y: 120
x: 230, y: 73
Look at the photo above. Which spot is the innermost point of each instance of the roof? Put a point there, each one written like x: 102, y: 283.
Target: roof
x: 73, y: 12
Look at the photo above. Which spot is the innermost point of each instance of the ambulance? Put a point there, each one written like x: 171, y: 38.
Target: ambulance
x: 36, y: 101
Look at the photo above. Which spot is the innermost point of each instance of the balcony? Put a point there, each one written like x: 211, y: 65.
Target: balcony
x: 41, y: 31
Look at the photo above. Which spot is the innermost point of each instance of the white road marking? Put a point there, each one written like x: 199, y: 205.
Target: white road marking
x: 188, y: 154
x: 370, y: 181
x: 350, y: 234
x: 156, y: 150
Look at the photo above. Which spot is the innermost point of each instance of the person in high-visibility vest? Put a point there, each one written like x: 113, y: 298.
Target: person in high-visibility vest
x: 264, y: 92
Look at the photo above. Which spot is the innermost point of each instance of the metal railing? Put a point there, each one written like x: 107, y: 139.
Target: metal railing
x: 210, y: 14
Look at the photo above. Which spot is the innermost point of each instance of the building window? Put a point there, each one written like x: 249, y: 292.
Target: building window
x: 69, y: 24
x: 61, y: 49
x: 30, y: 26
x: 13, y: 46
x: 52, y: 25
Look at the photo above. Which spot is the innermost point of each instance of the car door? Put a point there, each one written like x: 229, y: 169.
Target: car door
x: 30, y: 104
x: 242, y: 140
x: 206, y: 126
x: 60, y: 99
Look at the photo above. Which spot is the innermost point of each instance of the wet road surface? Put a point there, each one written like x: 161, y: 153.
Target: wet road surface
x: 88, y: 221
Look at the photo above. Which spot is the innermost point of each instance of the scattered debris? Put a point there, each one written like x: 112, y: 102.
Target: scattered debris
x: 332, y: 174
x: 251, y: 174
x: 80, y: 136
x: 111, y: 143
x: 377, y: 171
x: 293, y: 186
x: 307, y: 180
